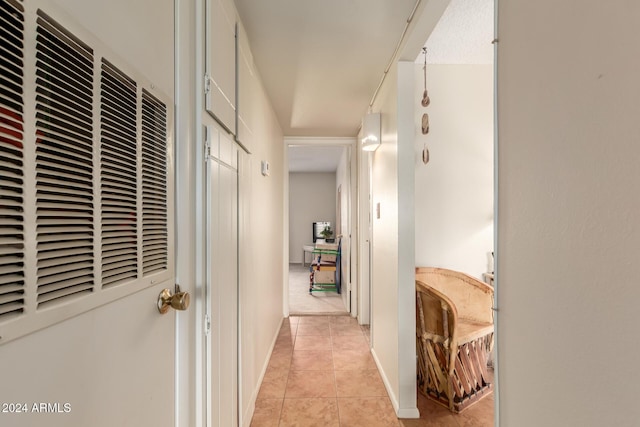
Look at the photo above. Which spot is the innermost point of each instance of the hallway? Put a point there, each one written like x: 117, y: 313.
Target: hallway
x: 321, y: 373
x: 302, y: 302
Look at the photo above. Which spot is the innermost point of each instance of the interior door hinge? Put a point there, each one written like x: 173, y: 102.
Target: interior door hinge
x: 207, y: 151
x: 207, y: 83
x: 207, y: 145
x: 207, y: 324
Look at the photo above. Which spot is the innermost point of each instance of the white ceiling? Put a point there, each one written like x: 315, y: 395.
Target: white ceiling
x: 306, y: 158
x: 463, y: 35
x: 321, y: 61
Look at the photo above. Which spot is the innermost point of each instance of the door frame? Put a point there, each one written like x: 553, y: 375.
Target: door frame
x: 350, y: 256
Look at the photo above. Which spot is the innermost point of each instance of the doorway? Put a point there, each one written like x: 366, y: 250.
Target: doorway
x: 319, y: 189
x: 454, y: 171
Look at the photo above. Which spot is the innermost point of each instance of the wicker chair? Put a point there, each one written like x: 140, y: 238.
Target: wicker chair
x: 454, y: 336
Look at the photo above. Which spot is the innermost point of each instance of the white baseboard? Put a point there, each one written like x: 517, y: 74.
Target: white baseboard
x: 248, y: 415
x: 408, y: 413
x: 385, y: 380
x: 400, y: 412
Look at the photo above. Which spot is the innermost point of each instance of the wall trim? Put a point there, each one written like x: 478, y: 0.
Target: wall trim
x: 400, y: 412
x: 248, y: 415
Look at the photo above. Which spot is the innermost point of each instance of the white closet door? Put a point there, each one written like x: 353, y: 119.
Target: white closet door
x: 229, y: 296
x: 222, y: 281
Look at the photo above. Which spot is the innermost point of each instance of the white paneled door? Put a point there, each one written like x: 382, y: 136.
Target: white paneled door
x: 86, y: 220
x: 222, y: 280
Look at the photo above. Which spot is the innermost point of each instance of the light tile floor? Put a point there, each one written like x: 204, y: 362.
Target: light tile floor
x: 302, y: 302
x: 321, y: 374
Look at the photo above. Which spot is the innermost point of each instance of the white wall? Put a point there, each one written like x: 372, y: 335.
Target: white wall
x: 393, y: 234
x: 261, y: 252
x: 454, y: 191
x: 393, y: 253
x: 312, y: 198
x: 384, y: 250
x: 568, y: 234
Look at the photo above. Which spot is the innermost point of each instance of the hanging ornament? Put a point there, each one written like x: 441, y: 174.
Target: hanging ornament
x: 425, y: 154
x: 425, y: 124
x: 425, y: 95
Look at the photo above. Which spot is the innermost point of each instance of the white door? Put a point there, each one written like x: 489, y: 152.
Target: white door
x: 364, y: 236
x: 86, y: 222
x: 222, y: 280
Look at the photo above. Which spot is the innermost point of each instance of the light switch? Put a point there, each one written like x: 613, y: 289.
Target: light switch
x: 265, y: 168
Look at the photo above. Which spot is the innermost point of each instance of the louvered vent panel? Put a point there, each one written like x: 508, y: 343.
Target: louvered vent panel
x: 154, y: 185
x: 65, y: 229
x: 11, y: 160
x: 119, y: 189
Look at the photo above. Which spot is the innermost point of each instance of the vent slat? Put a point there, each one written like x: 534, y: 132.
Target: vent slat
x: 62, y: 180
x: 59, y: 62
x: 117, y: 256
x: 113, y: 105
x: 62, y: 109
x: 11, y: 199
x: 11, y: 74
x: 13, y: 309
x: 9, y: 299
x: 64, y: 163
x: 120, y: 148
x: 50, y: 87
x: 8, y: 260
x: 54, y: 273
x: 11, y: 286
x: 120, y: 248
x: 12, y: 156
x: 64, y: 281
x: 119, y: 213
x: 118, y: 171
x: 8, y: 252
x: 112, y: 115
x: 46, y: 297
x: 75, y: 229
x: 112, y: 268
x: 118, y: 279
x: 45, y: 23
x: 73, y: 259
x: 58, y: 138
x: 15, y: 220
x: 63, y: 253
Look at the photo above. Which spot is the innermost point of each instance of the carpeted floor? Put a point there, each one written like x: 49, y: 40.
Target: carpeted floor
x: 301, y: 302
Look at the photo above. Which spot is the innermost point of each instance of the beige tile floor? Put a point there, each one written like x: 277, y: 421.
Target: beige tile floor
x: 322, y: 374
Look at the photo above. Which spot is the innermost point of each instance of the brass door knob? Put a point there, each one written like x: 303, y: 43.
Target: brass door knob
x: 178, y: 300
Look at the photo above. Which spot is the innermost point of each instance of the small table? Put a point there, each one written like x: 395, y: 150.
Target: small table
x: 305, y: 249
